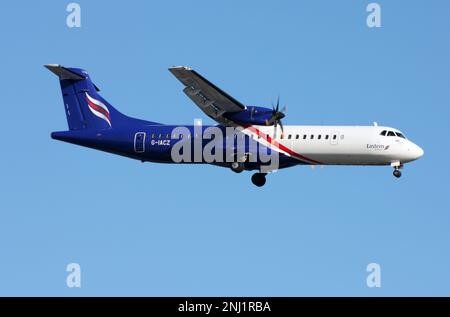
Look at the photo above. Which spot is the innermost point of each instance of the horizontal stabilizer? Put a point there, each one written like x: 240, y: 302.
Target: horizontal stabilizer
x: 64, y: 73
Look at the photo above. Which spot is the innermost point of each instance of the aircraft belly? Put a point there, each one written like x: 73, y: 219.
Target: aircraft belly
x: 345, y: 155
x: 349, y: 159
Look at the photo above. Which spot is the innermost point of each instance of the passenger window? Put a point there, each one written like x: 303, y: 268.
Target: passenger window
x: 167, y: 136
x: 289, y: 136
x: 319, y: 137
x: 390, y: 133
x: 312, y: 136
x: 327, y: 137
x: 304, y: 136
x: 334, y: 137
x: 153, y: 135
x: 383, y: 133
x: 160, y: 135
x: 297, y: 136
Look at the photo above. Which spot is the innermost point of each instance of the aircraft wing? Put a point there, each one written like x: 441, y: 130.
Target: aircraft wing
x: 208, y: 97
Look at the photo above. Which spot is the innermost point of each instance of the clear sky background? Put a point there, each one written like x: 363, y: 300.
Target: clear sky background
x: 148, y: 229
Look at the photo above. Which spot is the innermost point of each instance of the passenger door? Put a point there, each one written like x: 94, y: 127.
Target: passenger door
x: 139, y: 142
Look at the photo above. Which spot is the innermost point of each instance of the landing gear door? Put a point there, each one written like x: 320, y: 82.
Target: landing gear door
x: 334, y: 139
x: 139, y: 142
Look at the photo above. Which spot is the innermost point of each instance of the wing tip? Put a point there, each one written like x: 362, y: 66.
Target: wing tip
x: 180, y: 68
x: 52, y: 66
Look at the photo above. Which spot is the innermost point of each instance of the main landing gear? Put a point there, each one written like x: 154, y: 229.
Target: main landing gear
x: 239, y: 163
x: 259, y: 179
x: 397, y: 173
x: 237, y: 167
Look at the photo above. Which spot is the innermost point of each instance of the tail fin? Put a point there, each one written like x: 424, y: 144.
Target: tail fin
x: 84, y: 107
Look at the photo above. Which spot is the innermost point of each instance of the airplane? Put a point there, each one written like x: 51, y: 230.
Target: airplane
x: 96, y: 124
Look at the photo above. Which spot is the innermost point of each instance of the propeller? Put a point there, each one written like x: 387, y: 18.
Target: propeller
x: 277, y: 115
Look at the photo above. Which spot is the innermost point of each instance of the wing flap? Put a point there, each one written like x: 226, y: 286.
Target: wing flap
x: 206, y: 105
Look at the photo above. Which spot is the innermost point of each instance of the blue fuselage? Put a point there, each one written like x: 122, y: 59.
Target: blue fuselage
x: 154, y: 143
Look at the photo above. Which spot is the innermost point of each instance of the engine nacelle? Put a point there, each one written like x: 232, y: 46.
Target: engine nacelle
x: 252, y: 116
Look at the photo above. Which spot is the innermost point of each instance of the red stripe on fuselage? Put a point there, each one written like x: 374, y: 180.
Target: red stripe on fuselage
x: 280, y: 146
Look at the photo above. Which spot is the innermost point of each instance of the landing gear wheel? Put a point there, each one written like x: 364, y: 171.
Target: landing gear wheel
x: 259, y: 179
x: 397, y: 173
x: 237, y: 167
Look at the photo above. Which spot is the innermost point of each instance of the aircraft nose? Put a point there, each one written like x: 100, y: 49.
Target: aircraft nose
x: 419, y: 151
x: 416, y: 151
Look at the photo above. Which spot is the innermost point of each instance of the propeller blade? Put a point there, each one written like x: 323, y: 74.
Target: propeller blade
x: 275, y: 130
x: 276, y: 117
x: 270, y: 121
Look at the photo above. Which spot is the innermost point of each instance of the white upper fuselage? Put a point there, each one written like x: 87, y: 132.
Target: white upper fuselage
x: 344, y: 145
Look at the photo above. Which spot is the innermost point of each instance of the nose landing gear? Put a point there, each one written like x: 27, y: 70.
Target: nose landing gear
x: 397, y: 166
x: 397, y: 173
x: 259, y: 179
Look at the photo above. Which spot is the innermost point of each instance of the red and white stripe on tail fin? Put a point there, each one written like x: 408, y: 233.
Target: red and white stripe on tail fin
x: 98, y: 108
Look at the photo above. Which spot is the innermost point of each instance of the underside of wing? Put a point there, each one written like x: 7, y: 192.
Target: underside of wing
x: 212, y: 100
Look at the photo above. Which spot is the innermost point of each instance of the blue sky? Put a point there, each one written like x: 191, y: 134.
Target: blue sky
x: 148, y: 229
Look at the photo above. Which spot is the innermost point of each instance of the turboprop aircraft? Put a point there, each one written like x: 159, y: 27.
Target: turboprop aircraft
x: 246, y: 138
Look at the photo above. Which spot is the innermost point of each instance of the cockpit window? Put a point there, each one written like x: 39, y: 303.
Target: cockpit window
x: 392, y: 133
